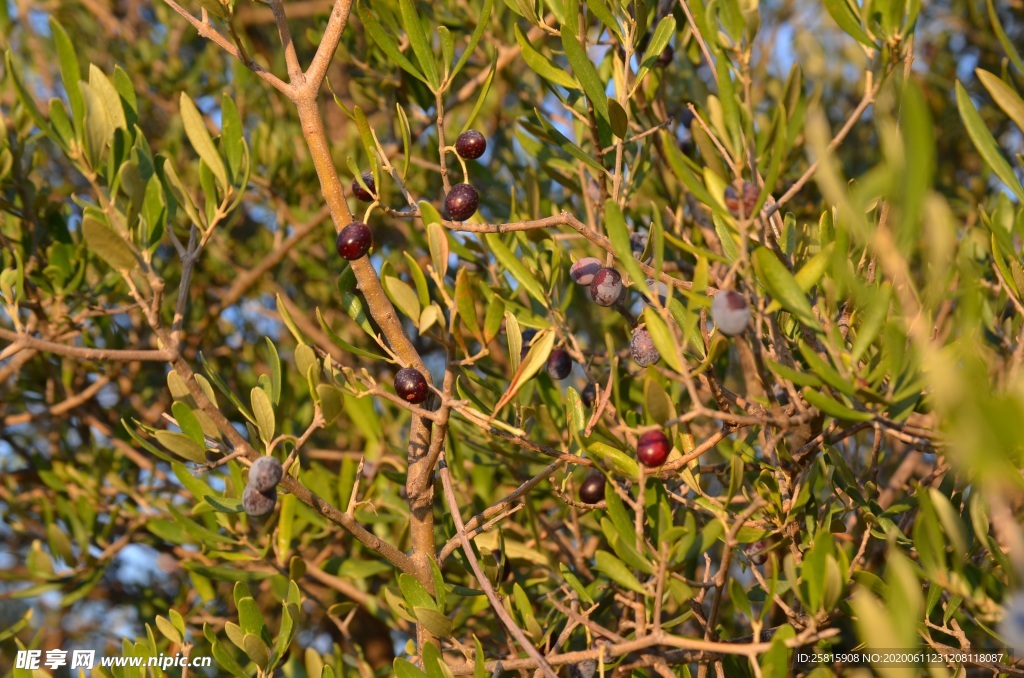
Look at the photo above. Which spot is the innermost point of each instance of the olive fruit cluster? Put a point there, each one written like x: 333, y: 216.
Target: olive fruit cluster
x: 462, y: 201
x: 606, y: 289
x: 605, y: 283
x: 652, y: 449
x: 260, y: 492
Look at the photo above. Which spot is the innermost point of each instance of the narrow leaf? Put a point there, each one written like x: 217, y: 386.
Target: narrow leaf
x: 782, y: 286
x: 199, y: 137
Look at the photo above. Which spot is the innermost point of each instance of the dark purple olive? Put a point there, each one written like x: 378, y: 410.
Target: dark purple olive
x: 354, y: 240
x: 471, y: 144
x: 652, y: 448
x: 559, y: 364
x: 411, y: 386
x: 265, y: 474
x: 360, y: 192
x: 592, y: 489
x: 461, y: 202
x: 589, y: 395
x: 256, y: 503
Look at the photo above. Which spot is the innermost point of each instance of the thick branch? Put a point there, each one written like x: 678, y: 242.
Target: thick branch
x: 317, y: 70
x: 120, y: 355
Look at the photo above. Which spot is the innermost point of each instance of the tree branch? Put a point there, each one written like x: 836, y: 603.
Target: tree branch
x: 210, y: 33
x: 119, y: 355
x: 485, y: 584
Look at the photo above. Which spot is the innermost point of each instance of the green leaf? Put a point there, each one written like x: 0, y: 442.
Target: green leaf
x: 62, y: 128
x: 540, y: 64
x: 677, y: 161
x: 232, y: 137
x: 662, y: 34
x: 257, y: 649
x: 437, y: 238
x: 250, y: 619
x: 808, y: 275
x: 515, y: 266
x: 286, y: 318
x: 414, y: 593
x: 1004, y: 40
x: 664, y: 341
x: 402, y: 295
x: 618, y: 572
x: 474, y: 40
x: 620, y: 517
x: 421, y: 46
x: 199, y: 137
x: 98, y: 127
x: 535, y: 359
x: 575, y: 419
x: 341, y: 343
x: 109, y: 95
x: 481, y: 96
x: 492, y: 319
x: 387, y: 43
x: 872, y: 318
x: 182, y: 445
x: 849, y: 22
x: 188, y: 422
x: 224, y: 504
x: 405, y: 669
x: 525, y: 608
x: 70, y: 72
x: 618, y: 233
x: 584, y: 70
x: 165, y: 627
x: 110, y: 246
x: 782, y: 286
x: 833, y: 407
x: 619, y: 118
x: 479, y: 669
x: 351, y: 302
x: 604, y: 14
x: 447, y: 48
x: 823, y: 369
x: 623, y: 464
x: 625, y: 548
x: 263, y: 410
x: 433, y: 662
x: 985, y: 143
x: 179, y: 191
x: 416, y: 273
x: 566, y: 145
x: 331, y: 401
x: 1004, y: 96
x: 465, y: 300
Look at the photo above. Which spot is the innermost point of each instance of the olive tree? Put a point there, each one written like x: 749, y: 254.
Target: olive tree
x: 527, y: 337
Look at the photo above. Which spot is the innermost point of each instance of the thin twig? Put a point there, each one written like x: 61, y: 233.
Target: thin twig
x: 484, y: 583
